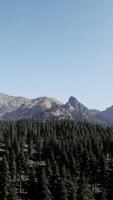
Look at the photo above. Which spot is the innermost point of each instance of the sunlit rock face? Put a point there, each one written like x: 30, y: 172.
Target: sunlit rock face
x: 47, y: 108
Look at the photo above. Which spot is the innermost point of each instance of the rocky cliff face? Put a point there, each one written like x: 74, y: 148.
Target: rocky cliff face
x: 9, y: 103
x: 45, y: 108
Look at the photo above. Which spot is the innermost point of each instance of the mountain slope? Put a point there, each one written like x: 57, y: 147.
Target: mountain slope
x: 106, y: 116
x: 32, y: 108
x: 10, y: 103
x: 45, y: 108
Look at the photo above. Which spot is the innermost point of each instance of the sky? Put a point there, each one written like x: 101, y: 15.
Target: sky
x: 58, y: 48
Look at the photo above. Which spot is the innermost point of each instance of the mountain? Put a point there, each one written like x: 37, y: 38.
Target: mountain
x: 34, y: 108
x: 106, y: 116
x: 46, y: 108
x: 9, y: 103
x: 94, y: 112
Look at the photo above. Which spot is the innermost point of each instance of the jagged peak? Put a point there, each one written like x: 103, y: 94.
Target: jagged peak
x: 73, y: 101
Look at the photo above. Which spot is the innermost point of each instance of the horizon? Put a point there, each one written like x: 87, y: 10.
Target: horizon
x: 58, y: 49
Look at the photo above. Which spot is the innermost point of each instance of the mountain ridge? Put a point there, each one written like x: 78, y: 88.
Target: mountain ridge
x: 47, y: 108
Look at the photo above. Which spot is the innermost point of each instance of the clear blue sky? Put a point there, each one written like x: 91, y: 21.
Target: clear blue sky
x: 58, y: 48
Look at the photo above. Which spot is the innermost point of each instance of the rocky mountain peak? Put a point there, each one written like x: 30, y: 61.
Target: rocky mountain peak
x: 73, y: 101
x: 45, y: 108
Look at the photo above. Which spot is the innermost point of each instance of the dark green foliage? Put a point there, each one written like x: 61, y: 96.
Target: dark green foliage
x: 84, y: 192
x: 103, y: 195
x: 5, y: 180
x: 59, y: 160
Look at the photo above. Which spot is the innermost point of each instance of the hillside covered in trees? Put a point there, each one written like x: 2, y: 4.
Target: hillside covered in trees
x: 59, y: 160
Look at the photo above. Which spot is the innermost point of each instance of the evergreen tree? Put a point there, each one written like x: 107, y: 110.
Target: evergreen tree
x: 5, y: 180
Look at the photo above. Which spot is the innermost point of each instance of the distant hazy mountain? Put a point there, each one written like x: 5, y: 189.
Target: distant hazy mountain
x: 106, y: 116
x: 45, y: 108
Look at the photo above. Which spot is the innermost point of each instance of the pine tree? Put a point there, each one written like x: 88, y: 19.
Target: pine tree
x: 5, y: 180
x: 61, y: 192
x: 44, y: 192
x: 84, y: 192
x: 103, y: 195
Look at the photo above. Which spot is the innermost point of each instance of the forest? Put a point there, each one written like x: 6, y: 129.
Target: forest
x: 55, y: 160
